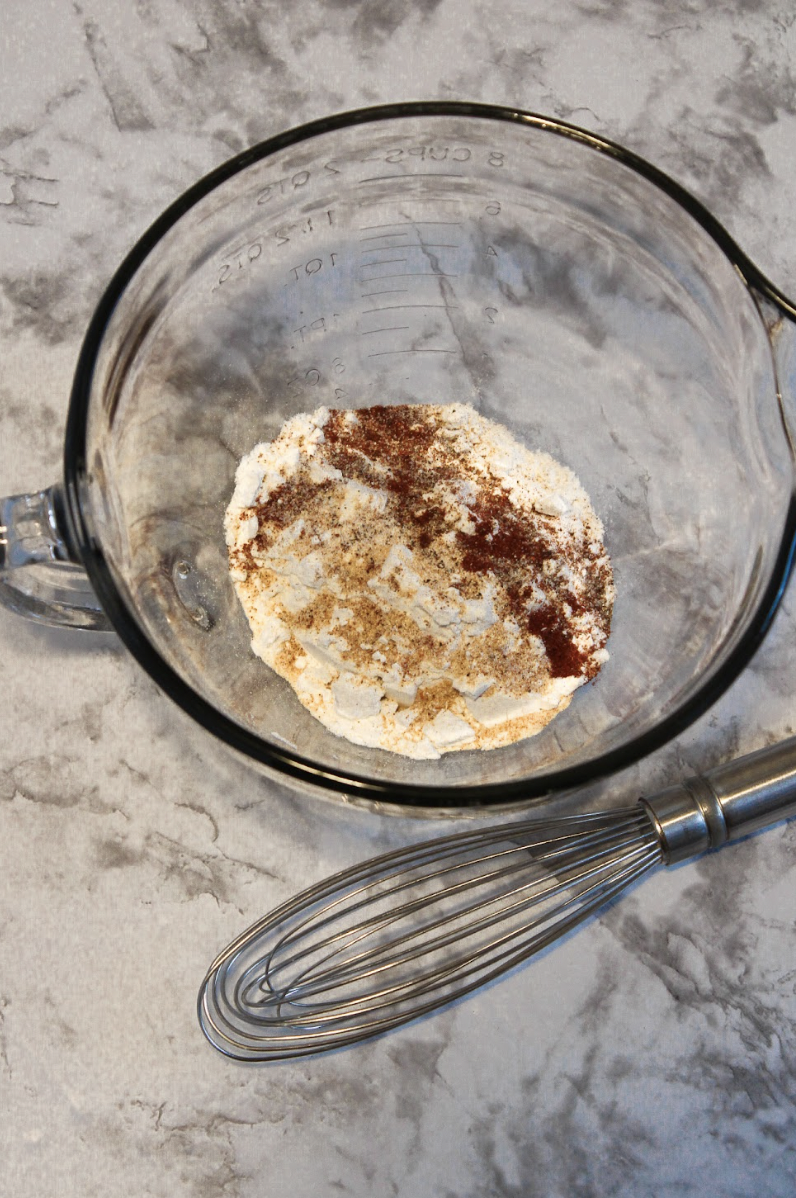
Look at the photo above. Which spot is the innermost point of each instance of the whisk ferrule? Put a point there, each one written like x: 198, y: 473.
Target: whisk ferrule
x: 725, y: 803
x: 688, y: 819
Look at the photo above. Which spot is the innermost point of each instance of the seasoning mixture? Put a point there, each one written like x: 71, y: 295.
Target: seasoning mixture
x: 423, y: 581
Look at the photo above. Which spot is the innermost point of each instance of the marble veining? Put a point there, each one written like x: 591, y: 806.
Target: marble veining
x: 652, y: 1053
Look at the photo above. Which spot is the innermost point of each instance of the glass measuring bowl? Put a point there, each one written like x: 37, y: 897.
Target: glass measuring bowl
x: 430, y: 253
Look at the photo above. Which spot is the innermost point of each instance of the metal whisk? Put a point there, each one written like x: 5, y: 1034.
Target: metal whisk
x: 410, y: 931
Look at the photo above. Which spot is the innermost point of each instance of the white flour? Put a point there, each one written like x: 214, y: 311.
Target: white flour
x: 423, y: 581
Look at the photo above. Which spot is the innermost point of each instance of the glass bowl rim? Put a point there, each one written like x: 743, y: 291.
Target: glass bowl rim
x: 292, y: 765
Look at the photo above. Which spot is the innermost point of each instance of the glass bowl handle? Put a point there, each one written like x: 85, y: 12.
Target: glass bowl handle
x: 39, y: 577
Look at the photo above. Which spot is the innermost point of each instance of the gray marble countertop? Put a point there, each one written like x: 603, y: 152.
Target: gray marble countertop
x: 652, y: 1054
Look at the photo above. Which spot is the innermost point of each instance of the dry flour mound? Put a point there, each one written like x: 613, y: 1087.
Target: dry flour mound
x: 423, y: 581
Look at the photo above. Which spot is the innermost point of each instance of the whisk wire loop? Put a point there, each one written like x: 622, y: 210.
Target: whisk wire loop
x: 415, y: 929
x: 383, y: 956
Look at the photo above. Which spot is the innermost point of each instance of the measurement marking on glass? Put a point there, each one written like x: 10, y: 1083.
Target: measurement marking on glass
x: 384, y: 352
x: 373, y: 249
x: 410, y: 245
x: 387, y: 291
x: 381, y: 262
x: 391, y: 328
x: 377, y: 201
x: 398, y: 307
x: 407, y: 224
x: 413, y: 175
x: 377, y: 236
x: 411, y: 274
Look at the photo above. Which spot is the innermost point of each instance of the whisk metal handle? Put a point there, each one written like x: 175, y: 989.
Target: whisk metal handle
x: 725, y: 803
